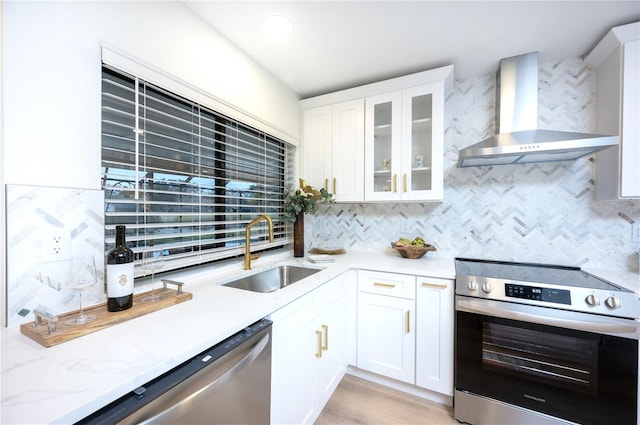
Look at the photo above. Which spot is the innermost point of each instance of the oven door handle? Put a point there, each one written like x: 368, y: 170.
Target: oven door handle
x: 594, y: 327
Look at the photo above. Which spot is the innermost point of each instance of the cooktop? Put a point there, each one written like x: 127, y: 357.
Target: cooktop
x: 535, y: 273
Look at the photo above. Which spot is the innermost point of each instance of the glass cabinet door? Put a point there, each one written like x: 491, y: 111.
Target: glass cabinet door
x: 419, y: 148
x: 403, y: 145
x: 421, y: 145
x: 382, y: 149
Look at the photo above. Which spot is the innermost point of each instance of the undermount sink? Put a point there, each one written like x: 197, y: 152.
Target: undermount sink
x: 272, y: 279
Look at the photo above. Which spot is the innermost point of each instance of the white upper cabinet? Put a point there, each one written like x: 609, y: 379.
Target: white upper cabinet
x: 617, y: 62
x: 333, y: 138
x: 404, y: 145
x: 379, y: 142
x: 317, y: 124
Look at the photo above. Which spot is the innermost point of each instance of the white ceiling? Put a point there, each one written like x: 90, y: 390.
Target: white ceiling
x: 341, y: 44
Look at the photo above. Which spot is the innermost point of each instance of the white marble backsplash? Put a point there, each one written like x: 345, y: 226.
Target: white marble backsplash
x: 36, y: 279
x: 530, y: 212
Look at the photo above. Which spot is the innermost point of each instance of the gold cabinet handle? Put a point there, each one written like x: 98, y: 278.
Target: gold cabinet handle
x: 404, y: 182
x: 408, y: 321
x: 325, y: 330
x: 326, y: 184
x: 395, y: 185
x: 319, y: 336
x: 434, y: 285
x: 334, y: 185
x: 385, y: 285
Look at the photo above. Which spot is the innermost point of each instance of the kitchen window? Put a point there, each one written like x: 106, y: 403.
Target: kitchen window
x: 184, y: 178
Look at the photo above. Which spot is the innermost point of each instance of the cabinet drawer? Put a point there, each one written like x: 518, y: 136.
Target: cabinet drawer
x: 395, y: 285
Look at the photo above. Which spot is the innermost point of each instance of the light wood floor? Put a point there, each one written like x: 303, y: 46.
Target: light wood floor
x: 357, y: 401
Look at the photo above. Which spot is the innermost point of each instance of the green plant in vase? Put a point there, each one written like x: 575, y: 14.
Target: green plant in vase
x: 296, y: 204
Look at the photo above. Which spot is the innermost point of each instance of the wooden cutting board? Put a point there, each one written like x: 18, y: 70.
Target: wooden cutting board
x: 104, y: 318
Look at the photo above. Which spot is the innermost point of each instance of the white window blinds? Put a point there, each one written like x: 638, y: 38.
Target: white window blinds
x: 185, y: 179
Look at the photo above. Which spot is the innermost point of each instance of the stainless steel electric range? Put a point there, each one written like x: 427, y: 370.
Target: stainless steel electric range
x: 539, y: 343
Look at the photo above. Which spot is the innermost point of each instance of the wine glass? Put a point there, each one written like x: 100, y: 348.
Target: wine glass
x: 152, y: 261
x: 81, y: 275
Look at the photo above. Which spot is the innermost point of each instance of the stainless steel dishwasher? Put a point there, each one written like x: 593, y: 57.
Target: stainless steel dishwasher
x: 230, y: 383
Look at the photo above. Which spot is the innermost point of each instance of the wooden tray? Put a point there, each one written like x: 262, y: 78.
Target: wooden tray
x: 38, y: 330
x: 336, y: 251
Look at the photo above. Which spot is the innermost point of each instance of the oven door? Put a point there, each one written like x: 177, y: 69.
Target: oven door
x: 578, y: 367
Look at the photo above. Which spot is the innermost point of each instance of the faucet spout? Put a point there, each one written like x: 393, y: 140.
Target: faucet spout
x: 247, y: 238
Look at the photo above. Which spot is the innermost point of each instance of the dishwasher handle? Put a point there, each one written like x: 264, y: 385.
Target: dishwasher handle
x: 213, y: 376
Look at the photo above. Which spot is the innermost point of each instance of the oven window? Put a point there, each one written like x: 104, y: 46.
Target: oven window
x: 559, y: 360
x: 582, y: 377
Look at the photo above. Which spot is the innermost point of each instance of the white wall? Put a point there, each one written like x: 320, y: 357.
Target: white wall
x: 3, y: 257
x: 50, y: 85
x: 51, y: 72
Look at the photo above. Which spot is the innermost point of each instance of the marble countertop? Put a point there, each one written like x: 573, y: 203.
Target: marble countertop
x: 65, y: 383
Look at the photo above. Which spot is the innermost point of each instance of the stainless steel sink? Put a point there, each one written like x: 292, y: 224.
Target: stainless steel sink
x: 272, y: 279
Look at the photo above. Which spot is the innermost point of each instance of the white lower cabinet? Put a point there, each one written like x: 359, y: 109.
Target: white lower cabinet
x: 394, y: 325
x: 434, y: 334
x: 405, y: 329
x: 386, y: 324
x: 309, y: 357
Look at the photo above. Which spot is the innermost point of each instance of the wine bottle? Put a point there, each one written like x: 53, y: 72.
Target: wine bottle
x: 119, y: 274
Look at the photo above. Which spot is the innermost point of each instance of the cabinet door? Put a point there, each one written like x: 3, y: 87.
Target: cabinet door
x: 309, y: 357
x: 331, y: 365
x: 350, y: 280
x: 386, y: 338
x: 292, y: 362
x: 422, y: 142
x: 382, y: 147
x: 316, y: 150
x: 292, y: 365
x: 434, y: 334
x: 347, y: 180
x: 630, y: 127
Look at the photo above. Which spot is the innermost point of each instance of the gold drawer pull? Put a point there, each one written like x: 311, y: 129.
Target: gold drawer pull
x: 326, y: 184
x: 404, y: 182
x: 395, y: 185
x: 408, y: 321
x: 325, y: 344
x: 434, y: 285
x: 385, y: 285
x: 334, y: 186
x: 319, y: 352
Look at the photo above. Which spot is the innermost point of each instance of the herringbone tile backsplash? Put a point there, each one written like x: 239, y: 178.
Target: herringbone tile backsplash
x: 530, y: 212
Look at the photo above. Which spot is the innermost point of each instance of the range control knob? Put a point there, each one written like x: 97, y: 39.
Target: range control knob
x: 473, y: 286
x: 486, y: 287
x: 593, y: 300
x: 613, y: 302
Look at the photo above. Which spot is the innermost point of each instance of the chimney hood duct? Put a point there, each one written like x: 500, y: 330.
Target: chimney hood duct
x: 519, y: 141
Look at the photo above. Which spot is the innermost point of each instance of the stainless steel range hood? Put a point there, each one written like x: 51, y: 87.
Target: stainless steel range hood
x: 519, y: 141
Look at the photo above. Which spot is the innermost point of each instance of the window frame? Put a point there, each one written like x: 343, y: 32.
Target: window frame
x: 230, y: 149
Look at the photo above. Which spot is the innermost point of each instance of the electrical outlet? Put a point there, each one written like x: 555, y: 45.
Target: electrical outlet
x: 55, y: 245
x: 635, y: 232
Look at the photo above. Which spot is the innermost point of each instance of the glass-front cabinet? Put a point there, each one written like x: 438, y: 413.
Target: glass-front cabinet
x: 404, y: 145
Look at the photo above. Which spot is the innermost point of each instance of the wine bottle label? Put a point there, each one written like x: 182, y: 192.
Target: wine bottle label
x: 119, y: 280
